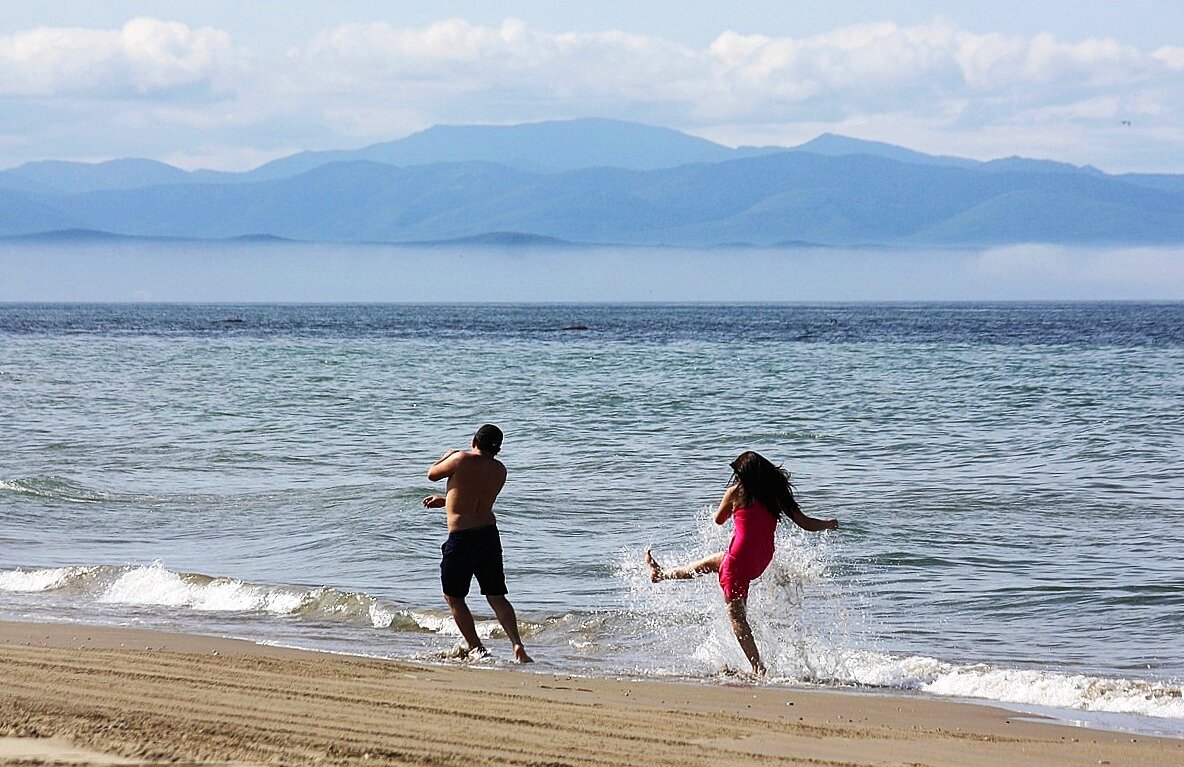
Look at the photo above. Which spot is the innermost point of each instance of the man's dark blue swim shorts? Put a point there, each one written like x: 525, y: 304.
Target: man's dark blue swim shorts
x: 474, y: 552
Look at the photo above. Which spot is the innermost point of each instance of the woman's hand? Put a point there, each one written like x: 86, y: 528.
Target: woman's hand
x: 434, y: 502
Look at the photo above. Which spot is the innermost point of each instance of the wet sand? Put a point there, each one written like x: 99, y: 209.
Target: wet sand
x: 84, y: 695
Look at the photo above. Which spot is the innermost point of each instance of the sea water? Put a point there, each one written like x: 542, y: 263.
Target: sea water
x: 1009, y: 480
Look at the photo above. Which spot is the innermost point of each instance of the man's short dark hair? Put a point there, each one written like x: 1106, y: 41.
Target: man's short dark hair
x: 488, y: 439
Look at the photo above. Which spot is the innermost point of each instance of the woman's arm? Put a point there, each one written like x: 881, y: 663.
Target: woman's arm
x: 727, y: 504
x: 812, y: 524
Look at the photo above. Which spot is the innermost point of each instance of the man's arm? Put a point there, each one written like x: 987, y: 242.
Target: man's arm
x: 443, y: 468
x: 812, y: 524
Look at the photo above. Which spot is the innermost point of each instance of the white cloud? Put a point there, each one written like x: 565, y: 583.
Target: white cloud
x: 145, y: 57
x: 934, y: 86
x: 510, y: 64
x: 937, y: 70
x: 1170, y: 55
x: 996, y: 63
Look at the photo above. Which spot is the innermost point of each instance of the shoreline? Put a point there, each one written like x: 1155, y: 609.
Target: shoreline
x: 152, y: 696
x: 1121, y: 722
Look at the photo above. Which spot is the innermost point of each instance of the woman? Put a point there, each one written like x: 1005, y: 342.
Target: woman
x: 758, y: 495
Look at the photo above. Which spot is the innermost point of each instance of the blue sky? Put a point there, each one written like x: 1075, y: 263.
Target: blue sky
x: 231, y: 84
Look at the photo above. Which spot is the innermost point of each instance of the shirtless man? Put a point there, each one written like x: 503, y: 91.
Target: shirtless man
x: 475, y: 477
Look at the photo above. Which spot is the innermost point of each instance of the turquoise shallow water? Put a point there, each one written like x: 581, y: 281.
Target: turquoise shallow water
x: 1008, y: 478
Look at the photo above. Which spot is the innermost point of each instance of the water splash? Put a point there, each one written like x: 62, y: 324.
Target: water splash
x: 795, y: 608
x: 809, y: 633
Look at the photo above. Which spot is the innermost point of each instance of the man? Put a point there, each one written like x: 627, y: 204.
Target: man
x: 475, y: 477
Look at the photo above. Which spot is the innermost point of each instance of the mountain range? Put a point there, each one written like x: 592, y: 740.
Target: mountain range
x: 601, y: 181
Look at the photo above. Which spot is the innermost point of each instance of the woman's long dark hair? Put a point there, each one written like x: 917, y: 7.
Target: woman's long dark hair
x: 764, y: 482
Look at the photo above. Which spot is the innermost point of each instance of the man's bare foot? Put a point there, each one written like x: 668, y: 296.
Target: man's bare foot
x: 520, y: 654
x: 759, y: 670
x: 655, y: 568
x: 463, y: 652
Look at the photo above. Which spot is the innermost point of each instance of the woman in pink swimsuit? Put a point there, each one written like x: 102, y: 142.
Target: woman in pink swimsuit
x: 757, y: 497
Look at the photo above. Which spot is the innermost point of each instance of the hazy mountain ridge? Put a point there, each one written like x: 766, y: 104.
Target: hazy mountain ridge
x: 546, y: 147
x: 536, y: 147
x: 839, y: 146
x: 831, y: 191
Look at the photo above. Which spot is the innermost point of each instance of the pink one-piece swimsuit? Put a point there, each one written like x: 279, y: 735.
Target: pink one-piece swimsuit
x: 750, y: 551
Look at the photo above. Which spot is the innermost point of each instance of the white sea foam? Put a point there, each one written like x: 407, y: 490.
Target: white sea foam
x: 444, y: 625
x: 1026, y: 686
x: 798, y: 614
x: 151, y: 585
x: 1042, y: 688
x: 42, y: 579
x: 154, y: 585
x: 382, y: 617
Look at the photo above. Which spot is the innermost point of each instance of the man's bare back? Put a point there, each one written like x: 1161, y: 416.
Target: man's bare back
x: 474, y: 480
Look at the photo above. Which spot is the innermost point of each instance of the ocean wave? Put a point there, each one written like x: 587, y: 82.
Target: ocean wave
x: 1057, y: 690
x: 797, y: 616
x: 154, y: 585
x: 1034, y: 687
x: 43, y: 579
x: 53, y: 488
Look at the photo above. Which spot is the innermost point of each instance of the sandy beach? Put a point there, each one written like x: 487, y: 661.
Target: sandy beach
x: 81, y: 694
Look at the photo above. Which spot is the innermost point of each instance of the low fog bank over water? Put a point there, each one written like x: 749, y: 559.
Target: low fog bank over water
x: 297, y: 272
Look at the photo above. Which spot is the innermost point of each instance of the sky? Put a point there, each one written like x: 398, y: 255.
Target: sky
x: 230, y: 85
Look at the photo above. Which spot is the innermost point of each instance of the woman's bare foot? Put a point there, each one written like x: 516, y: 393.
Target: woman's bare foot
x: 520, y: 654
x: 655, y: 569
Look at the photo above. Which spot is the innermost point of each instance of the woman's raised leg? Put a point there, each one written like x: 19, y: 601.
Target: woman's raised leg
x: 704, y: 566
